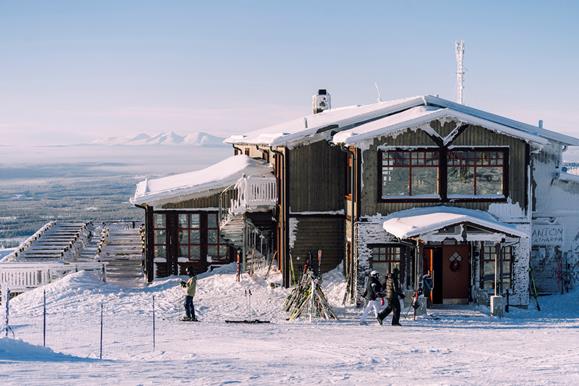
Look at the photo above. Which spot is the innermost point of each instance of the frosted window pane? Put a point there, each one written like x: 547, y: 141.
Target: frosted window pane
x: 461, y: 180
x: 424, y: 181
x: 396, y: 182
x: 489, y: 180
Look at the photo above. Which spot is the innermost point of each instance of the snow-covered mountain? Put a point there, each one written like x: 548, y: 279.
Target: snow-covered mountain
x: 199, y: 138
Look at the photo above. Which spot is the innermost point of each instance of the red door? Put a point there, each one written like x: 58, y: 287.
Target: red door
x: 455, y: 273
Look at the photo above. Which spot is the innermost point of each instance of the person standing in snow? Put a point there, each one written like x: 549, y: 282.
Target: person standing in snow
x: 393, y: 295
x: 190, y: 286
x: 371, y: 294
x: 427, y: 286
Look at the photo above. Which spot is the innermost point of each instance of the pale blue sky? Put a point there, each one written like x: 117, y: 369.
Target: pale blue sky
x: 74, y: 70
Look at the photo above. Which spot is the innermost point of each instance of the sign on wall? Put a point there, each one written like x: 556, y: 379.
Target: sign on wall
x: 547, y: 234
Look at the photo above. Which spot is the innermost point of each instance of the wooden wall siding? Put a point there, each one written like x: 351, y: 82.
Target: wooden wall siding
x: 317, y: 174
x: 471, y: 136
x: 211, y: 201
x: 325, y: 233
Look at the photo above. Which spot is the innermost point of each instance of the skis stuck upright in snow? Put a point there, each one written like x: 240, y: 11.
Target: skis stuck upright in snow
x: 308, y: 299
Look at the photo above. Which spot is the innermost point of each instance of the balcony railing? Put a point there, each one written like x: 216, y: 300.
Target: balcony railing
x: 254, y: 193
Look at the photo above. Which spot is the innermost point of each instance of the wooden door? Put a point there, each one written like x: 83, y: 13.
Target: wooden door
x: 455, y: 273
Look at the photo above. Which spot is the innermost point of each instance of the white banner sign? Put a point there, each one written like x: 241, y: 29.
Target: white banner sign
x: 544, y: 234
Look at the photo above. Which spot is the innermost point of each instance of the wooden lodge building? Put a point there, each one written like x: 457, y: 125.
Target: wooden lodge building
x: 420, y: 184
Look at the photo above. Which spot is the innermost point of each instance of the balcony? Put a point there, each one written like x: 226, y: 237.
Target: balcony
x: 253, y: 194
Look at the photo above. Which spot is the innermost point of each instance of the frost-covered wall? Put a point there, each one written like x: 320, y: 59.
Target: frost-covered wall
x: 555, y: 249
x: 367, y: 231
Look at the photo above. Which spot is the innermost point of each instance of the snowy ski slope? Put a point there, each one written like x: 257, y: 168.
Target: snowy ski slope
x: 461, y: 346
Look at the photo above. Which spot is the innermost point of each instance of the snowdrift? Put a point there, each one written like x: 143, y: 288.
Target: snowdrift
x: 18, y: 350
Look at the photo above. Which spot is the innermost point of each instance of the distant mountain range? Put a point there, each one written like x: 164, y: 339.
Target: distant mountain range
x: 169, y: 138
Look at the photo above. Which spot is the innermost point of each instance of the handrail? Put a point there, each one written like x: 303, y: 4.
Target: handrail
x: 23, y: 276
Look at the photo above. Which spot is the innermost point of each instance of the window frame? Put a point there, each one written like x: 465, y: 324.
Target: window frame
x: 388, y: 256
x: 475, y: 197
x: 443, y: 174
x: 190, y: 227
x: 435, y: 196
x: 487, y: 257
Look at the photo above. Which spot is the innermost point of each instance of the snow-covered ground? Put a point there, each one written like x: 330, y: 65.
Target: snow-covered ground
x: 460, y: 346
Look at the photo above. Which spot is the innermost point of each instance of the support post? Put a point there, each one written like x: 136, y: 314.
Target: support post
x: 497, y: 253
x: 154, y: 327
x: 101, y: 335
x: 44, y: 320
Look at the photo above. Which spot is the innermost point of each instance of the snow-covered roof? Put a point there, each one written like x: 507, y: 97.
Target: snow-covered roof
x: 303, y: 127
x: 198, y: 183
x: 418, y: 221
x: 394, y: 114
x: 419, y: 116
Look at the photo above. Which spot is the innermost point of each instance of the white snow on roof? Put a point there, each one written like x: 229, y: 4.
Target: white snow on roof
x: 345, y: 118
x: 525, y: 127
x: 418, y: 221
x: 421, y: 115
x: 200, y: 182
x: 303, y: 127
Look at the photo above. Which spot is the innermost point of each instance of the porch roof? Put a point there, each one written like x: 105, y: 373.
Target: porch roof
x: 419, y: 221
x: 199, y: 183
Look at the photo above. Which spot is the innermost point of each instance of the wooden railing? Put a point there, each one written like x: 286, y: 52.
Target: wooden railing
x: 20, y: 277
x: 254, y: 193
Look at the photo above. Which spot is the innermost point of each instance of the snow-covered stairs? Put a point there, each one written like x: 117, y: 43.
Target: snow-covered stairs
x: 62, y: 241
x: 232, y: 230
x: 123, y: 251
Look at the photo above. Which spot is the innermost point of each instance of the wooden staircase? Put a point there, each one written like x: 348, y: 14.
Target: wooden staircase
x: 122, y: 250
x: 63, y: 241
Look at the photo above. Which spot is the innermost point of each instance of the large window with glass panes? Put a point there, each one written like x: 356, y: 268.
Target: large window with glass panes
x: 216, y: 248
x: 474, y: 173
x: 160, y: 235
x: 189, y: 236
x: 444, y: 174
x: 410, y: 173
x: 385, y: 259
x: 488, y: 258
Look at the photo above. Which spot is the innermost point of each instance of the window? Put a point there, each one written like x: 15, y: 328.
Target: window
x: 160, y: 234
x: 489, y: 256
x: 476, y: 173
x: 216, y: 247
x: 385, y: 259
x: 349, y: 172
x: 189, y: 236
x: 410, y: 174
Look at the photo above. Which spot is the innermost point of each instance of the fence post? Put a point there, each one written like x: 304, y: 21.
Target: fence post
x: 44, y: 321
x: 154, y: 329
x: 101, y: 340
x: 7, y: 320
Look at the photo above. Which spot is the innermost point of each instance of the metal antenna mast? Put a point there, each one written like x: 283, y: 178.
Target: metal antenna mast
x: 459, y: 71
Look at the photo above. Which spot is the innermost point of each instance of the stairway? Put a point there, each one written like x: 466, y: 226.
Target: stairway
x: 123, y: 251
x: 232, y: 229
x: 61, y: 242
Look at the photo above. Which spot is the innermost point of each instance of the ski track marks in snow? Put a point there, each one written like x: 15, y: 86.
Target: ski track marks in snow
x: 461, y: 346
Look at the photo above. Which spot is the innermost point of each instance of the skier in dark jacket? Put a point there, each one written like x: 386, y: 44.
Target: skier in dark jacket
x: 393, y: 294
x: 371, y: 294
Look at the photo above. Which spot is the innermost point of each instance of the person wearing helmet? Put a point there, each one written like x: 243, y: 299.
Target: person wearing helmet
x: 371, y: 294
x: 393, y: 295
x: 189, y: 287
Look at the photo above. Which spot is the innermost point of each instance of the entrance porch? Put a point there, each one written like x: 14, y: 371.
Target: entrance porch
x: 469, y: 254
